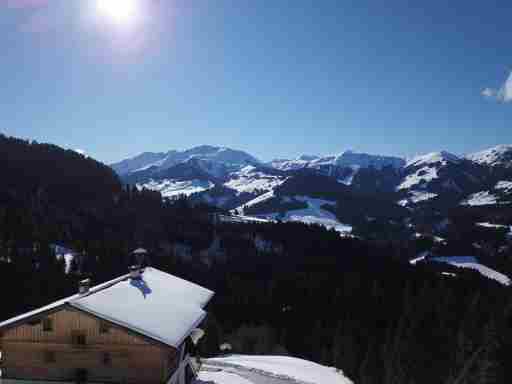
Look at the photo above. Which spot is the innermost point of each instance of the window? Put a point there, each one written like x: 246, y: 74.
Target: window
x: 78, y: 338
x: 106, y: 358
x: 104, y: 327
x: 49, y: 357
x: 47, y: 325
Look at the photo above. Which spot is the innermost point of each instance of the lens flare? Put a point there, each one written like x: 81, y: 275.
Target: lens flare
x: 119, y: 11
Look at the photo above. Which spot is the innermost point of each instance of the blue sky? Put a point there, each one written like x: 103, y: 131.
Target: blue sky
x: 276, y: 78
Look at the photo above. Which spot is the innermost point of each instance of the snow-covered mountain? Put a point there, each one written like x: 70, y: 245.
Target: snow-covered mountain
x: 497, y: 194
x: 370, y: 185
x: 496, y: 156
x: 349, y: 159
x: 441, y: 176
x: 213, y: 160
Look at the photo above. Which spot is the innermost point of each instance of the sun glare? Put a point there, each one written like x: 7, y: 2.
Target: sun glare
x: 119, y: 11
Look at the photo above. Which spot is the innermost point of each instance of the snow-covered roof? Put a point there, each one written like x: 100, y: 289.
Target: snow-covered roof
x: 160, y: 306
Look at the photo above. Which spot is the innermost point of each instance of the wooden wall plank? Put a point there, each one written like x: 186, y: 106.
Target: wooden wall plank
x: 135, y: 359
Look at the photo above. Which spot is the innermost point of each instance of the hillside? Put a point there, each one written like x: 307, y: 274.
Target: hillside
x: 354, y: 302
x: 239, y: 369
x: 362, y: 191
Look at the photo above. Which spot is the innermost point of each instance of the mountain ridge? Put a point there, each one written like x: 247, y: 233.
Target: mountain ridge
x: 375, y: 185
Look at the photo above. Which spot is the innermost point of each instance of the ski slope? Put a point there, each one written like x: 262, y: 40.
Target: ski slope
x: 173, y: 188
x: 471, y: 262
x: 313, y: 214
x: 250, y: 180
x: 242, y: 369
x: 480, y: 198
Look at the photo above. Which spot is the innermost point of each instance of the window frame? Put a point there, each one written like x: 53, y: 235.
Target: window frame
x: 104, y: 327
x: 47, y: 324
x: 106, y: 359
x: 79, y: 339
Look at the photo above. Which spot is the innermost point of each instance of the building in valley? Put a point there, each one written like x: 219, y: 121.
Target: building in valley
x: 134, y: 329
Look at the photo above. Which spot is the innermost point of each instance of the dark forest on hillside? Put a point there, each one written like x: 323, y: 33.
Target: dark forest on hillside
x: 280, y: 288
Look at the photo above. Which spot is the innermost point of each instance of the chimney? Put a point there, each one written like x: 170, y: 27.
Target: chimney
x: 83, y: 286
x: 135, y: 272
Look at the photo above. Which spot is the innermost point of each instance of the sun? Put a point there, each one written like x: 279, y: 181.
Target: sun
x: 119, y: 11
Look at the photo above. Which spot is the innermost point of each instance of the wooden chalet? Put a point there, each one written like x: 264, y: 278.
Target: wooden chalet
x: 134, y: 329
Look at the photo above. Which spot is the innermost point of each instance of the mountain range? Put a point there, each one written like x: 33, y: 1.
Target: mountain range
x: 347, y: 188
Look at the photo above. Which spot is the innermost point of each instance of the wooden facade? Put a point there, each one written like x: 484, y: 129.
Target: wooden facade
x: 67, y: 344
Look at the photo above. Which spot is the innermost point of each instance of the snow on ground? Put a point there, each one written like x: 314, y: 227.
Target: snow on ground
x: 242, y: 219
x: 348, y: 180
x: 249, y: 180
x: 68, y: 259
x: 260, y: 199
x: 490, y: 156
x: 313, y: 214
x: 173, y: 188
x: 471, y: 262
x: 218, y: 376
x: 506, y: 186
x: 268, y: 370
x: 424, y: 175
x: 442, y: 157
x: 480, y: 198
x: 419, y: 258
x: 490, y: 225
x: 291, y: 165
x: 416, y: 197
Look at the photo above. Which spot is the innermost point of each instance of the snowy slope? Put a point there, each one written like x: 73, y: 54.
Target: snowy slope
x: 210, y: 157
x: 172, y: 188
x: 313, y: 214
x: 471, y: 262
x: 442, y: 158
x: 260, y: 199
x: 240, y: 369
x: 499, y: 194
x: 250, y: 179
x: 344, y: 159
x: 421, y: 170
x: 230, y: 178
x: 493, y: 226
x: 418, y: 177
x: 416, y: 197
x: 480, y: 198
x: 505, y: 186
x: 499, y: 155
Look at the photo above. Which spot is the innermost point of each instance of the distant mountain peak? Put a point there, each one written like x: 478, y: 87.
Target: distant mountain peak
x: 442, y: 157
x: 217, y: 157
x: 498, y: 155
x: 351, y: 158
